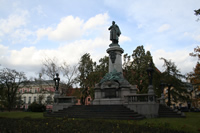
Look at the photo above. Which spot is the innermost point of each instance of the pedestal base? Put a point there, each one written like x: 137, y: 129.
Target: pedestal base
x: 107, y: 101
x: 62, y: 102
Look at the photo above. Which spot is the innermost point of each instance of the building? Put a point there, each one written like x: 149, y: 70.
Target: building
x: 76, y: 92
x: 193, y: 101
x: 40, y: 91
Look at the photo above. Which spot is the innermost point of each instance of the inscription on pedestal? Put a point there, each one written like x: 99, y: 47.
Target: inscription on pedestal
x: 110, y: 93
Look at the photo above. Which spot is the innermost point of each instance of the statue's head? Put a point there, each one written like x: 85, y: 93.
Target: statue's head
x: 113, y: 22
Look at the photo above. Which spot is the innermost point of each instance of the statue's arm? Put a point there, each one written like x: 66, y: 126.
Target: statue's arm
x: 109, y: 27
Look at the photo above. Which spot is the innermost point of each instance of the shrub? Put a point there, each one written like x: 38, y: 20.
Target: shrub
x: 35, y: 107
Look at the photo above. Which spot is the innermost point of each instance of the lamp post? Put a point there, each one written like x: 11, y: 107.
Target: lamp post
x: 163, y: 85
x: 169, y: 93
x: 162, y: 99
x: 150, y: 71
x: 56, y: 80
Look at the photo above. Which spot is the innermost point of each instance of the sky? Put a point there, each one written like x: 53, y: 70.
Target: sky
x: 32, y: 30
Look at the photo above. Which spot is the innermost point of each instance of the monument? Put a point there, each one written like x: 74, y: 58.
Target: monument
x: 114, y: 89
x: 61, y: 102
x: 113, y: 86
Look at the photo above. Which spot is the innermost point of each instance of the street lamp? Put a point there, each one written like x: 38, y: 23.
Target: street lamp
x: 163, y: 85
x: 150, y: 71
x: 169, y: 97
x: 162, y: 99
x: 56, y: 80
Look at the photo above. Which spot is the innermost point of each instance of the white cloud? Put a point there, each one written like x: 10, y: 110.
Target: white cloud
x: 3, y: 50
x: 163, y: 28
x: 43, y: 32
x: 20, y: 35
x: 68, y: 29
x: 39, y: 10
x: 98, y: 20
x: 181, y: 59
x: 71, y: 28
x: 13, y: 21
x: 30, y: 58
x: 195, y: 35
x: 23, y: 57
x: 123, y: 38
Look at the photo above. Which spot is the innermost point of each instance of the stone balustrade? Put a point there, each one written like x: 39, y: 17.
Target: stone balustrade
x: 133, y: 98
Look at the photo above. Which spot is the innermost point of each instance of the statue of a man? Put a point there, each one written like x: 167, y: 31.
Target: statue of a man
x: 114, y: 33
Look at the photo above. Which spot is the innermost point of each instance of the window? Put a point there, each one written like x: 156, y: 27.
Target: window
x: 35, y: 99
x: 29, y: 100
x: 35, y: 91
x: 24, y: 99
x: 88, y: 99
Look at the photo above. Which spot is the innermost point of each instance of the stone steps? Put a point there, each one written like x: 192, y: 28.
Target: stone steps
x: 98, y: 111
x: 165, y: 111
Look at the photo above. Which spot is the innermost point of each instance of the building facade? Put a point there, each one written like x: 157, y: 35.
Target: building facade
x: 41, y: 91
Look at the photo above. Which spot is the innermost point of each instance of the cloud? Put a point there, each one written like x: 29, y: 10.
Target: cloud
x: 68, y: 29
x: 29, y: 59
x: 123, y: 38
x: 13, y: 21
x: 20, y: 35
x: 181, y: 58
x: 163, y: 28
x: 40, y: 11
x: 98, y: 20
x: 72, y: 28
x: 195, y: 36
x: 13, y: 28
x: 3, y: 50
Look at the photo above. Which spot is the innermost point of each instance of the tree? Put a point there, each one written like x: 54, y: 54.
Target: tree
x: 135, y: 70
x: 197, y: 13
x: 86, y: 67
x: 69, y: 73
x: 100, y: 70
x: 51, y: 67
x: 195, y: 75
x: 11, y: 81
x: 90, y: 73
x: 172, y: 75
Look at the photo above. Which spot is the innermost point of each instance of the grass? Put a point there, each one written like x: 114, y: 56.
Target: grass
x: 189, y: 124
x: 21, y: 114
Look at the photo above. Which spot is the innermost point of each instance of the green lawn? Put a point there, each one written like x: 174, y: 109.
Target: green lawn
x: 189, y: 124
x: 21, y: 114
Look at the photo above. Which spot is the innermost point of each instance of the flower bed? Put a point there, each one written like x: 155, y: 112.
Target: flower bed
x: 65, y: 125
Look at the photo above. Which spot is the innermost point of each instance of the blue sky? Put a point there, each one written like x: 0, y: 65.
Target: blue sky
x: 31, y: 31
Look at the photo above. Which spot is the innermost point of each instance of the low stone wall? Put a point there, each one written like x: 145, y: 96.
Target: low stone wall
x: 61, y: 106
x: 107, y: 101
x: 149, y: 110
x: 62, y: 102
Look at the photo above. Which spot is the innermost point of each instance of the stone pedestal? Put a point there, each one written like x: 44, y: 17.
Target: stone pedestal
x: 115, y: 59
x: 113, y: 86
x: 162, y: 99
x: 61, y: 102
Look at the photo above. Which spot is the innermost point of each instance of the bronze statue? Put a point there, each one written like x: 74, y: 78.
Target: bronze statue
x: 114, y: 33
